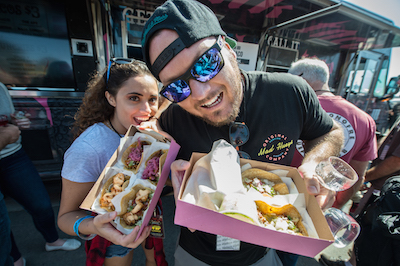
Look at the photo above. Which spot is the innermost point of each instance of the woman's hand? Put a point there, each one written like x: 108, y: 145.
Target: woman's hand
x: 107, y: 230
x: 153, y: 124
x: 21, y: 119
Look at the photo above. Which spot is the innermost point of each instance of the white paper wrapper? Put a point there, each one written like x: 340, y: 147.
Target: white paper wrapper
x: 241, y: 207
x: 215, y: 175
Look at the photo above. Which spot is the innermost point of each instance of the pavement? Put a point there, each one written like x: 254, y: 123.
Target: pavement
x: 31, y: 243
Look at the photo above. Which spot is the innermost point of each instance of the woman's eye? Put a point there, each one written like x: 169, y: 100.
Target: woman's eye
x: 153, y: 100
x: 134, y: 98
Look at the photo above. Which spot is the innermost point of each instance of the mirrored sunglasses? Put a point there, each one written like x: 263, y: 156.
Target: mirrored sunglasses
x: 238, y: 135
x: 207, y: 66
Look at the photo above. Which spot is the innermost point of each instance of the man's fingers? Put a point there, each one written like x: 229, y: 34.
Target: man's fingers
x: 312, y: 184
x: 178, y: 169
x: 325, y: 200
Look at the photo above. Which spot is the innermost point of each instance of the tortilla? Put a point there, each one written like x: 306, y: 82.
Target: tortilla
x: 267, y: 183
x: 134, y: 206
x: 111, y: 188
x: 239, y: 206
x: 129, y: 164
x: 276, y: 217
x: 154, y: 165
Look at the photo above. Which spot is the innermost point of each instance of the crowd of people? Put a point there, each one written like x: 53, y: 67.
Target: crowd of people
x: 206, y: 93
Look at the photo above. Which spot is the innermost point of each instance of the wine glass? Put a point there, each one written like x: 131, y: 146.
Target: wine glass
x: 335, y: 174
x: 343, y: 227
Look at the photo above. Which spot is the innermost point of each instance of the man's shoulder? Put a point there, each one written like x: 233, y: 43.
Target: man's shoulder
x: 276, y: 82
x: 273, y: 77
x: 344, y: 105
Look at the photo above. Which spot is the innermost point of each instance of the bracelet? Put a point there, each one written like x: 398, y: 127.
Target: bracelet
x: 76, y: 229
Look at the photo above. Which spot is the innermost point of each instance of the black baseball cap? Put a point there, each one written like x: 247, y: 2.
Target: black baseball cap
x: 192, y: 21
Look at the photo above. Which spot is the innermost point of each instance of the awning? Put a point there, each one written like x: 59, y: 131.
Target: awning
x: 341, y: 26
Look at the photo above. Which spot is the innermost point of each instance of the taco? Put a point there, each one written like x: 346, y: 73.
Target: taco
x: 113, y: 186
x: 134, y: 205
x: 132, y: 156
x: 240, y: 207
x: 153, y: 166
x: 267, y: 183
x: 286, y: 218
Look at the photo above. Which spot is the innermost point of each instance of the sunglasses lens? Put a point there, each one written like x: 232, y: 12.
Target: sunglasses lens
x: 176, y: 91
x: 208, y: 65
x: 244, y: 155
x: 238, y: 134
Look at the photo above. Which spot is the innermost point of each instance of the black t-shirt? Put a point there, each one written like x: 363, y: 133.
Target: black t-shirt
x: 278, y: 109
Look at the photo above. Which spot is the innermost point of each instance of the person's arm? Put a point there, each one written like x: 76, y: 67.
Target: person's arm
x: 72, y: 195
x: 8, y: 134
x: 316, y: 150
x: 386, y: 167
x: 342, y: 197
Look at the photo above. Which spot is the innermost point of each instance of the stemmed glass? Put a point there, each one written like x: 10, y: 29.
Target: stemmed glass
x: 335, y: 174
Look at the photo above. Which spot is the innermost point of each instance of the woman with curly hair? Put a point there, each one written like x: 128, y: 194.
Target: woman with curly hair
x: 124, y: 94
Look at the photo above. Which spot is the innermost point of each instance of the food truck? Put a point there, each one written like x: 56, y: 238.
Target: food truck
x: 50, y: 48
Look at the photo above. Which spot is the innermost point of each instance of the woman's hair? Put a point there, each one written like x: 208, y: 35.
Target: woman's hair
x: 95, y: 107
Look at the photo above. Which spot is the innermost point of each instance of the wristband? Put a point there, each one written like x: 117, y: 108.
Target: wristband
x: 76, y: 229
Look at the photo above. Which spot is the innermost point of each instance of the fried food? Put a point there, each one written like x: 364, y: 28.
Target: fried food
x: 114, y: 185
x: 286, y: 218
x: 267, y: 183
x: 133, y: 206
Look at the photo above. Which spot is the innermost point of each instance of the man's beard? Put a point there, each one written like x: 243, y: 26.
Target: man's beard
x: 237, y: 96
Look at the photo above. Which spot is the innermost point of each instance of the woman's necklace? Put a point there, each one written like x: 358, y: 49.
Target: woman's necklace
x: 119, y: 135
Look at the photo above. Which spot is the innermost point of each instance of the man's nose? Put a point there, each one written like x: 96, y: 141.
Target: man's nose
x: 200, y: 90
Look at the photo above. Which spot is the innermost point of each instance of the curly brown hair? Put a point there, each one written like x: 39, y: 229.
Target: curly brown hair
x: 95, y: 108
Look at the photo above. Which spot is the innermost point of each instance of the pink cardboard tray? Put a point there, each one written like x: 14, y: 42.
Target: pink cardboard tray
x: 172, y: 152
x: 199, y: 218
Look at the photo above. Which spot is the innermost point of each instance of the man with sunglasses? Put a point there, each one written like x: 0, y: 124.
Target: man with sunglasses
x: 186, y: 49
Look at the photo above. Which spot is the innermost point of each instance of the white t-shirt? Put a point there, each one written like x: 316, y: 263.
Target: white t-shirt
x: 89, y: 153
x: 7, y: 108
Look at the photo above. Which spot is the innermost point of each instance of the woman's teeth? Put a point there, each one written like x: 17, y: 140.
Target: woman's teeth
x: 214, y: 101
x: 139, y: 120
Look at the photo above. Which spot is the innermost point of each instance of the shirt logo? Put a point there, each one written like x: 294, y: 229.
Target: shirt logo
x: 275, y: 147
x: 349, y: 135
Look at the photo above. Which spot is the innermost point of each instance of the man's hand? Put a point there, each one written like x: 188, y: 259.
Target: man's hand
x: 324, y: 197
x: 178, y: 169
x: 106, y: 230
x: 8, y: 134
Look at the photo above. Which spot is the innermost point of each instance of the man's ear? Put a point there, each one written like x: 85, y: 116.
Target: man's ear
x: 110, y: 99
x: 227, y: 46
